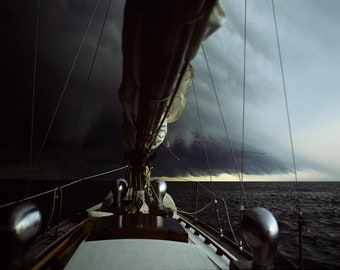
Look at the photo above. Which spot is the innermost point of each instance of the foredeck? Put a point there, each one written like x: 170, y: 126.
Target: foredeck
x: 156, y: 243
x: 138, y: 242
x: 139, y: 254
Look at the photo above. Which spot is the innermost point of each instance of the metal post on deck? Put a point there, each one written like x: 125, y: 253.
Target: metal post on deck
x: 196, y: 202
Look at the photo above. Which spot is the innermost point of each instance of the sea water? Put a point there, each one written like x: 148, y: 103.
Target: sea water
x: 319, y: 203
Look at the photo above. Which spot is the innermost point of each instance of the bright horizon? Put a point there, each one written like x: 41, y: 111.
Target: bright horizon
x: 306, y: 176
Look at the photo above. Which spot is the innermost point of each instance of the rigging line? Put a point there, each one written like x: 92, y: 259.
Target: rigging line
x: 53, y: 208
x: 60, y: 211
x: 28, y: 185
x: 178, y: 83
x: 291, y: 141
x: 94, y: 176
x: 220, y: 110
x: 170, y: 151
x: 64, y: 186
x: 65, y: 86
x: 27, y: 198
x: 244, y: 86
x: 228, y: 218
x: 243, y: 194
x: 195, y: 212
x: 85, y: 90
x: 34, y: 83
x: 286, y: 102
x: 201, y: 132
x: 218, y: 217
x: 224, y: 124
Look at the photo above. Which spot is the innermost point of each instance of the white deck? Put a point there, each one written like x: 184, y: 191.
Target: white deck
x: 148, y: 254
x: 139, y: 254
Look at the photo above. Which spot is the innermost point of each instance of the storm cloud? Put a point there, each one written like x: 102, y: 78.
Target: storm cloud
x: 86, y: 135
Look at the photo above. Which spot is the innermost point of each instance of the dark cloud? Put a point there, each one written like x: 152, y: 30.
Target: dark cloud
x: 193, y: 161
x: 95, y: 144
x: 61, y: 29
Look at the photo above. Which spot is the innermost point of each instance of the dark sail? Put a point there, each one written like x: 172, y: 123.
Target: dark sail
x: 160, y: 38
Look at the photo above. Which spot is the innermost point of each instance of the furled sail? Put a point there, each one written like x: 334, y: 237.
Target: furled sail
x: 160, y: 38
x: 176, y: 109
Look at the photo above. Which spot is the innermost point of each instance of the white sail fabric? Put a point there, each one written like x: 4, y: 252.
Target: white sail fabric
x: 160, y: 135
x: 130, y: 103
x: 216, y: 19
x: 180, y: 100
x: 177, y: 106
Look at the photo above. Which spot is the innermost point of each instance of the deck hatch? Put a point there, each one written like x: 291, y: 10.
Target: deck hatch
x: 138, y: 226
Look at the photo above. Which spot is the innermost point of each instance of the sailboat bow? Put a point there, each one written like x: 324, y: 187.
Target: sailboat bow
x: 137, y: 225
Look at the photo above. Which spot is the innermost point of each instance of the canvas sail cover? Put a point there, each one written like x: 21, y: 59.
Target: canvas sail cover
x: 159, y: 40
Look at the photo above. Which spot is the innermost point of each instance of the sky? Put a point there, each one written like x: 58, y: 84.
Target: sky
x: 85, y: 137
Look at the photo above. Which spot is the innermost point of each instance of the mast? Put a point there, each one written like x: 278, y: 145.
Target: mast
x: 160, y: 38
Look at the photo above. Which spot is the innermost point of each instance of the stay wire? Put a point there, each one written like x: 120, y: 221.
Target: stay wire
x: 244, y: 102
x: 28, y: 186
x: 53, y: 208
x: 300, y: 217
x: 224, y: 124
x: 244, y: 86
x: 65, y: 87
x: 34, y: 82
x: 60, y: 211
x: 64, y: 186
x: 286, y: 103
x: 201, y: 133
x: 85, y: 90
x: 229, y: 221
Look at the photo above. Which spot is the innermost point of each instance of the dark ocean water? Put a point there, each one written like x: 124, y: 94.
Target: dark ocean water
x: 320, y: 205
x: 319, y: 201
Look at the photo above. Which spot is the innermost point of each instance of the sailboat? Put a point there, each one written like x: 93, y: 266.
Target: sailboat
x: 138, y: 225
